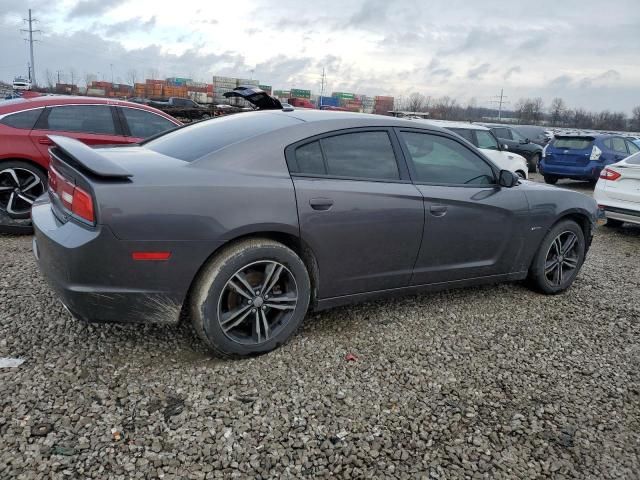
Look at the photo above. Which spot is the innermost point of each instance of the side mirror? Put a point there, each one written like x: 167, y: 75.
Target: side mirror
x: 507, y: 179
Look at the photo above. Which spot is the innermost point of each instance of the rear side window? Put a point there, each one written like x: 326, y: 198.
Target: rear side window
x: 199, y: 139
x: 573, y: 143
x: 633, y: 148
x: 82, y: 118
x: 635, y: 160
x: 502, y: 133
x: 464, y: 133
x: 619, y: 145
x: 25, y: 120
x: 366, y: 155
x: 143, y: 124
x: 442, y: 160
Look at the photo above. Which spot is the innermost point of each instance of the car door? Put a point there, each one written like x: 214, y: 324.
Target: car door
x: 619, y: 147
x: 473, y: 228
x: 504, y: 136
x: 358, y: 210
x: 139, y: 124
x: 91, y: 124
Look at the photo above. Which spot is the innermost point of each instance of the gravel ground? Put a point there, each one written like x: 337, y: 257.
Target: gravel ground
x: 491, y: 382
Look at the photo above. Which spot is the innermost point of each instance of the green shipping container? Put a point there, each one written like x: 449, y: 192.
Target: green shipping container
x: 298, y: 93
x: 344, y: 95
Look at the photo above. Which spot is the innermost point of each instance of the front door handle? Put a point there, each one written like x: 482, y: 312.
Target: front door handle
x: 438, y: 210
x: 321, y: 203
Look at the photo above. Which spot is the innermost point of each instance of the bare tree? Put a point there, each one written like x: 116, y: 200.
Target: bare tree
x: 557, y: 111
x: 635, y: 119
x: 416, y: 102
x: 50, y: 82
x: 131, y: 77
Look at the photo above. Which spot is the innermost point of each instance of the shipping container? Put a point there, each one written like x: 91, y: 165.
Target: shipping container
x: 329, y: 101
x: 344, y: 95
x: 96, y: 92
x: 300, y: 93
x: 266, y: 88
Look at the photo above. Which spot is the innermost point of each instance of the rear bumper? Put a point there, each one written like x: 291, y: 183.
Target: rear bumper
x: 591, y: 171
x: 616, y: 209
x: 97, y: 280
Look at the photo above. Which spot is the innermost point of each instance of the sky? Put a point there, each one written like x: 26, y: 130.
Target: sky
x: 586, y: 52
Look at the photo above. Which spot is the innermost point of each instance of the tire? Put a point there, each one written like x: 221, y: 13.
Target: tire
x: 613, y: 223
x: 533, y: 163
x: 550, y: 179
x: 547, y: 280
x: 214, y: 298
x: 521, y: 175
x: 12, y: 205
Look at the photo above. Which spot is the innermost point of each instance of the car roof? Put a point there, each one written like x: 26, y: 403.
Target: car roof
x: 451, y: 124
x: 17, y: 105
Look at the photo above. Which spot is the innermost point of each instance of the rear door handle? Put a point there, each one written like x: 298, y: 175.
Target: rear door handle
x: 438, y: 210
x: 45, y: 141
x: 321, y: 203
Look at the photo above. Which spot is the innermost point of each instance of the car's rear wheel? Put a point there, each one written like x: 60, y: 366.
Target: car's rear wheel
x: 20, y: 184
x: 550, y: 179
x: 533, y: 163
x: 559, y: 258
x: 250, y: 298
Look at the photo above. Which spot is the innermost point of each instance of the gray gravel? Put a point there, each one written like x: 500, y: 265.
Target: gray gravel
x: 491, y: 382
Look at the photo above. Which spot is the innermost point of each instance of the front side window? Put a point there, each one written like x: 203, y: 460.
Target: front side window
x: 24, y: 120
x: 465, y: 133
x: 366, y: 155
x: 442, y: 160
x: 486, y: 140
x: 516, y: 136
x: 144, y: 124
x: 82, y: 118
x: 503, y: 133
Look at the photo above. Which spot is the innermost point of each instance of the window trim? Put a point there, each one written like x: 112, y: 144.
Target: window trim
x: 9, y: 114
x: 292, y: 163
x: 126, y: 129
x: 43, y: 121
x: 413, y: 173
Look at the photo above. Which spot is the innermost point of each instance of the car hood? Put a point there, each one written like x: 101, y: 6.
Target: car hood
x: 256, y: 96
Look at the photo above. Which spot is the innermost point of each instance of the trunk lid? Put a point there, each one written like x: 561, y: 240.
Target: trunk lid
x: 573, y: 150
x: 256, y: 96
x: 627, y: 187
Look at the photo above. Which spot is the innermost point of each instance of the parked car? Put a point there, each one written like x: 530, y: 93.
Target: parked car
x: 181, y: 107
x: 482, y: 137
x: 583, y: 156
x: 539, y: 135
x: 519, y: 144
x: 24, y: 142
x: 246, y: 222
x: 618, y: 191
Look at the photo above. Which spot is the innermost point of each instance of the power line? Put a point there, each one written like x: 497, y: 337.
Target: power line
x: 31, y: 31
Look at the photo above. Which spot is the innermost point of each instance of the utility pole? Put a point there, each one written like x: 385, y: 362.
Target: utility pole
x: 31, y: 31
x: 111, y: 65
x: 322, y: 87
x: 58, y: 72
x: 500, y: 100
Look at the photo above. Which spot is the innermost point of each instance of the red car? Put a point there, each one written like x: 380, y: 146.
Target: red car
x: 24, y: 156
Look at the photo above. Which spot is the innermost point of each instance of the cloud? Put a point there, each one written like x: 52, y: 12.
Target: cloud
x: 478, y: 72
x: 92, y: 8
x: 137, y: 24
x: 512, y: 71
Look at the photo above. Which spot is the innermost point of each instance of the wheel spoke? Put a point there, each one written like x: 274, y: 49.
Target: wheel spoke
x: 240, y: 290
x: 36, y: 182
x: 234, y: 314
x: 257, y: 325
x: 569, y: 244
x: 560, y: 273
x: 283, y: 299
x: 237, y: 322
x: 557, y: 245
x: 242, y: 279
x: 268, y: 274
x: 550, y: 266
x: 12, y: 174
x: 4, y: 189
x: 274, y: 279
x: 10, y: 203
x: 279, y: 306
x: 571, y: 262
x: 265, y: 325
x: 26, y: 198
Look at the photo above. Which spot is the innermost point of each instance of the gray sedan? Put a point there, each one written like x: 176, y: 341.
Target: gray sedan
x: 244, y: 223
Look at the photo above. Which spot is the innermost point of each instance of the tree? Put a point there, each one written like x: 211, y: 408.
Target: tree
x: 49, y: 76
x: 635, y: 119
x: 557, y: 111
x: 131, y: 77
x: 416, y: 102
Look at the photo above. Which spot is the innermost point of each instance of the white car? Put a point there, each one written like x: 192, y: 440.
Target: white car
x: 618, y: 191
x: 486, y: 142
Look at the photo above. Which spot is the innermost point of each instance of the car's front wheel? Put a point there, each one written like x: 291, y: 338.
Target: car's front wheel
x: 250, y: 298
x: 559, y: 258
x: 533, y: 163
x: 550, y: 179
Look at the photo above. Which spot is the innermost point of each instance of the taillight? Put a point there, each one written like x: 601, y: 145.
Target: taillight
x: 608, y: 174
x: 595, y: 153
x: 73, y: 198
x: 544, y: 151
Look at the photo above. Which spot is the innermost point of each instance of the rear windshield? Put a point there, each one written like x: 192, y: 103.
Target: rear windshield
x: 200, y: 139
x: 573, y: 143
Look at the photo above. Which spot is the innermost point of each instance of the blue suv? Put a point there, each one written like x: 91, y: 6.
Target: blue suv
x: 582, y: 157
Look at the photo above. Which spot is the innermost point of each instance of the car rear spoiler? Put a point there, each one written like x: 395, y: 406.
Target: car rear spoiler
x: 88, y: 158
